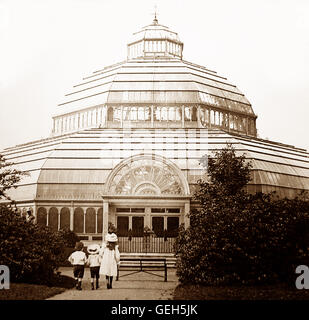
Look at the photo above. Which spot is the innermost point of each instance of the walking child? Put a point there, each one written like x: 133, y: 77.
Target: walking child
x: 110, y: 258
x: 94, y: 261
x: 78, y: 259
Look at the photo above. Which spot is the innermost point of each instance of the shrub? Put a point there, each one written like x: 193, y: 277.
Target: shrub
x: 32, y: 252
x: 69, y: 237
x: 238, y: 238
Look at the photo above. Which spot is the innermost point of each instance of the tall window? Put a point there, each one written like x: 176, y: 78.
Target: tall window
x: 90, y: 220
x: 53, y: 218
x: 42, y: 216
x: 78, y: 220
x: 172, y: 226
x: 137, y: 226
x: 64, y: 218
x: 122, y: 226
x: 158, y: 226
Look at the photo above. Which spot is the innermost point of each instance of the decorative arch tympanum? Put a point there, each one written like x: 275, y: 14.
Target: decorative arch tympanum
x: 147, y: 174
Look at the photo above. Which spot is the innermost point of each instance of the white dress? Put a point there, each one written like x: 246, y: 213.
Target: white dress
x: 110, y: 259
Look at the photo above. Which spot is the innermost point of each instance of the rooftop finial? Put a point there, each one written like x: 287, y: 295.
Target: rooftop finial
x: 155, y: 20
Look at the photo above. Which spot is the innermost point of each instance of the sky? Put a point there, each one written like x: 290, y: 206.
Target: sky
x: 47, y: 46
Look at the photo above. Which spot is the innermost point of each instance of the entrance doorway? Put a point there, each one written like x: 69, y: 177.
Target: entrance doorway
x: 147, y: 230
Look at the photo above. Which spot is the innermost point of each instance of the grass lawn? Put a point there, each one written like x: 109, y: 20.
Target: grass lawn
x: 26, y: 291
x: 275, y: 292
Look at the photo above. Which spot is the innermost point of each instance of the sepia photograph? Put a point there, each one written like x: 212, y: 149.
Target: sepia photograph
x: 154, y: 151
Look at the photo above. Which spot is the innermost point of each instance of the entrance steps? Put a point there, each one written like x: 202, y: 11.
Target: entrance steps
x: 170, y: 257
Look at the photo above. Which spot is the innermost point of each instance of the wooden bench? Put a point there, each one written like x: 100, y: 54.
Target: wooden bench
x: 143, y: 265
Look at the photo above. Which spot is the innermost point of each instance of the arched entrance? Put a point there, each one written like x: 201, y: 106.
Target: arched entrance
x: 146, y: 198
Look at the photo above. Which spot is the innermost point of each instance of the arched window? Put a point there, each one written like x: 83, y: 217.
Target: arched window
x: 100, y: 221
x: 64, y: 218
x: 53, y: 218
x: 78, y: 220
x: 42, y: 216
x: 90, y: 220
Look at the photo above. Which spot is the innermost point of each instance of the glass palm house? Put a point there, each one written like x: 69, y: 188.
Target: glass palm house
x: 127, y: 141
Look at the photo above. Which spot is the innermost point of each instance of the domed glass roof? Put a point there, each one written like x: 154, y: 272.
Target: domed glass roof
x: 155, y: 87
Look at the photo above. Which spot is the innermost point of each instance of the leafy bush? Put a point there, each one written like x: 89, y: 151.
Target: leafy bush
x: 70, y: 237
x: 238, y: 238
x: 32, y: 252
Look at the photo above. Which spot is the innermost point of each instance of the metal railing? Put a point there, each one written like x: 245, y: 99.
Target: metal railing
x: 146, y: 244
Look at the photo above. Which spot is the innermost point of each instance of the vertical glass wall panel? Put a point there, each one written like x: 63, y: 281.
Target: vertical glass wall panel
x: 212, y: 117
x: 178, y: 114
x: 126, y: 114
x: 133, y: 113
x: 141, y: 113
x: 100, y: 221
x: 187, y: 114
x: 157, y: 113
x: 158, y: 226
x: 194, y: 114
x: 64, y: 218
x: 117, y: 114
x: 53, y: 218
x: 42, y: 216
x: 110, y: 112
x: 90, y: 220
x: 172, y: 226
x: 171, y: 114
x: 122, y: 226
x: 137, y: 226
x: 231, y: 121
x: 164, y: 115
x: 78, y: 220
x: 147, y: 113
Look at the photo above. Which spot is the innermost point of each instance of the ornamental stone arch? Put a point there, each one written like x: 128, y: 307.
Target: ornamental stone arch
x: 147, y: 174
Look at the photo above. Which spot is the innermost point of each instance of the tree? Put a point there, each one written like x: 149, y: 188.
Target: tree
x: 237, y: 237
x: 8, y: 177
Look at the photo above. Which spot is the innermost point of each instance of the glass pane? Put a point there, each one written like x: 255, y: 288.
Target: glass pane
x: 138, y: 210
x: 137, y: 226
x: 158, y: 226
x: 173, y: 210
x: 53, y: 218
x: 122, y: 226
x: 64, y: 218
x: 78, y: 220
x: 42, y: 216
x: 100, y: 221
x: 90, y: 220
x: 172, y: 226
x: 122, y: 209
x: 158, y: 210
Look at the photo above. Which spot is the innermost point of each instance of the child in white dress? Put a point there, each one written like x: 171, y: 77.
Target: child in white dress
x: 110, y: 258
